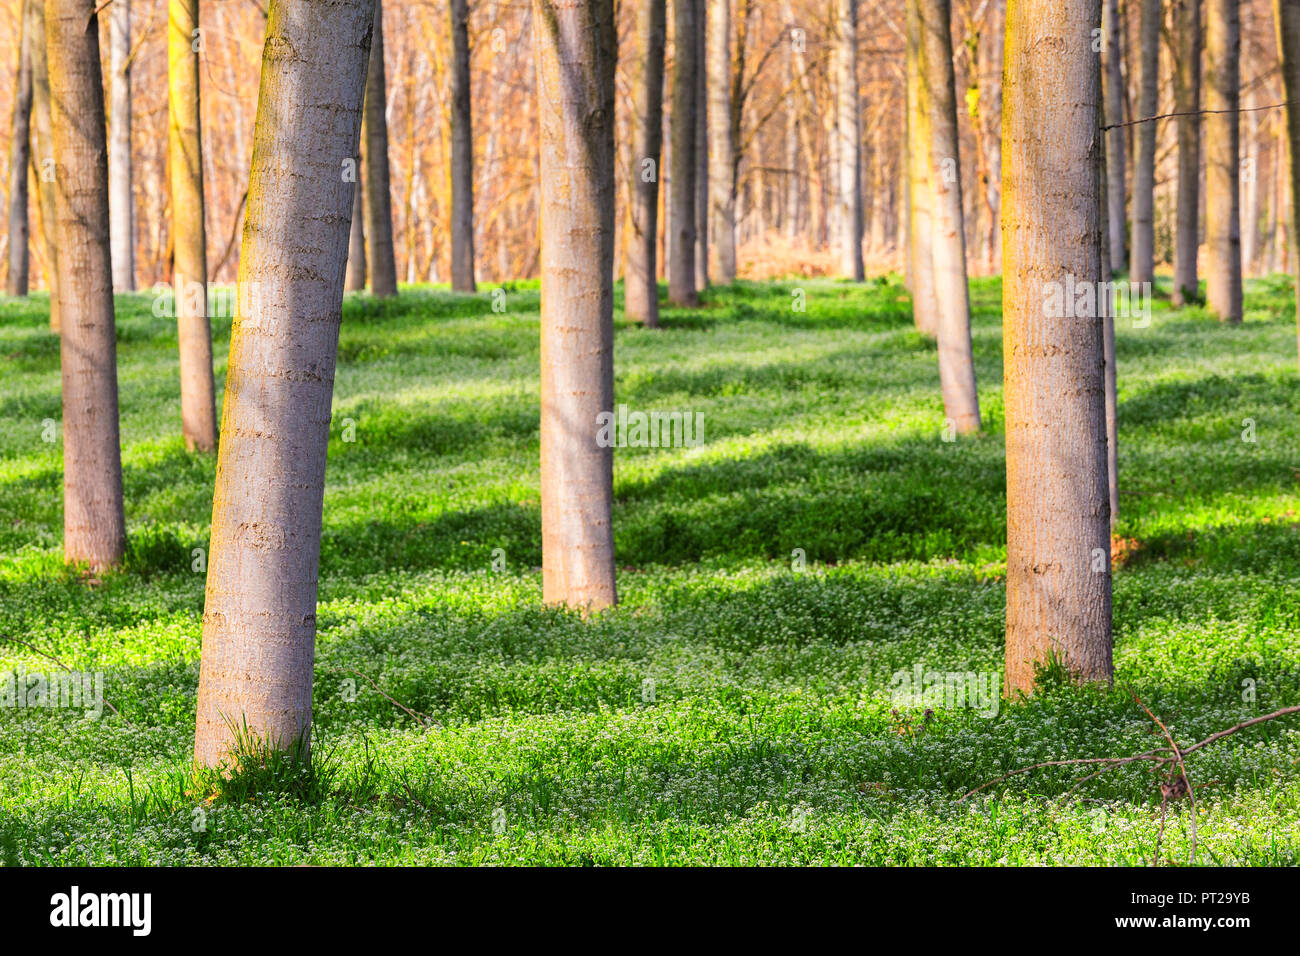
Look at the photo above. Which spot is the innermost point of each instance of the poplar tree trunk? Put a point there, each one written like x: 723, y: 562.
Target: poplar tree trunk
x: 16, y: 281
x: 189, y: 239
x: 356, y: 274
x: 94, y: 527
x: 640, y: 288
x: 378, y: 195
x: 948, y: 236
x: 702, y: 120
x: 1116, y: 146
x: 721, y: 147
x: 1187, y: 100
x: 848, y: 131
x: 121, y: 197
x: 43, y: 154
x: 681, y: 205
x: 259, y: 620
x: 1286, y: 16
x: 462, y: 154
x: 1222, y: 171
x: 925, y: 306
x: 1142, y: 266
x: 1058, y: 527
x: 576, y: 46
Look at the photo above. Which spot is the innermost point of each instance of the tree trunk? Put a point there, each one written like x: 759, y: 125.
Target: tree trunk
x: 702, y: 119
x: 356, y: 275
x: 378, y: 194
x: 1187, y: 100
x: 948, y: 236
x: 681, y: 208
x: 121, y: 197
x: 848, y: 131
x: 462, y: 154
x: 1222, y: 172
x: 43, y: 154
x: 1116, y: 147
x: 641, y: 288
x: 925, y: 307
x: 1142, y: 266
x: 185, y: 171
x: 1058, y: 527
x: 1286, y: 16
x: 721, y: 147
x: 94, y: 527
x: 576, y: 48
x: 259, y: 620
x: 16, y: 282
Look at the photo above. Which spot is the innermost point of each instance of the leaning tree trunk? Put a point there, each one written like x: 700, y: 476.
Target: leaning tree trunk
x: 94, y: 527
x: 576, y: 47
x: 641, y: 288
x: 189, y: 238
x: 1116, y: 148
x: 925, y: 307
x: 1058, y: 528
x: 259, y: 618
x: 356, y: 274
x: 16, y: 282
x: 1187, y: 101
x: 948, y: 235
x: 681, y: 195
x: 848, y: 132
x: 462, y: 154
x: 121, y: 198
x: 722, y: 149
x: 43, y: 154
x: 1142, y: 266
x: 379, y: 200
x: 1286, y: 16
x: 1222, y: 174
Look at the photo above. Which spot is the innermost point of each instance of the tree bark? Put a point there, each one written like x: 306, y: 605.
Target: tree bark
x: 702, y: 119
x: 43, y: 155
x: 378, y: 193
x: 1286, y: 16
x: 681, y: 206
x: 1187, y: 100
x: 462, y: 154
x: 1222, y: 170
x: 121, y: 196
x: 259, y: 620
x: 1058, y: 527
x: 16, y: 281
x: 189, y: 237
x: 356, y: 274
x: 948, y: 236
x: 925, y: 306
x: 94, y: 526
x: 576, y: 47
x: 721, y: 146
x: 1142, y: 266
x: 1116, y: 145
x: 641, y: 288
x: 848, y: 132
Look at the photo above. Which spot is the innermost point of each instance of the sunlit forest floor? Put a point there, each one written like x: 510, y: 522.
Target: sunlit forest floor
x: 734, y: 708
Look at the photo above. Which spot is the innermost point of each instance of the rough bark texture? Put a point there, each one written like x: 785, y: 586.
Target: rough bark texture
x: 1058, y: 527
x: 640, y: 287
x: 462, y: 154
x: 1116, y: 146
x: 259, y: 618
x: 848, y: 133
x: 16, y: 280
x: 681, y: 195
x: 1187, y: 100
x: 1286, y: 16
x: 356, y: 276
x: 43, y: 155
x: 1142, y: 266
x: 189, y: 238
x: 121, y: 198
x: 702, y: 236
x: 94, y: 528
x: 576, y: 48
x: 378, y: 195
x: 722, y: 149
x: 925, y: 307
x: 1222, y: 173
x: 948, y: 236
